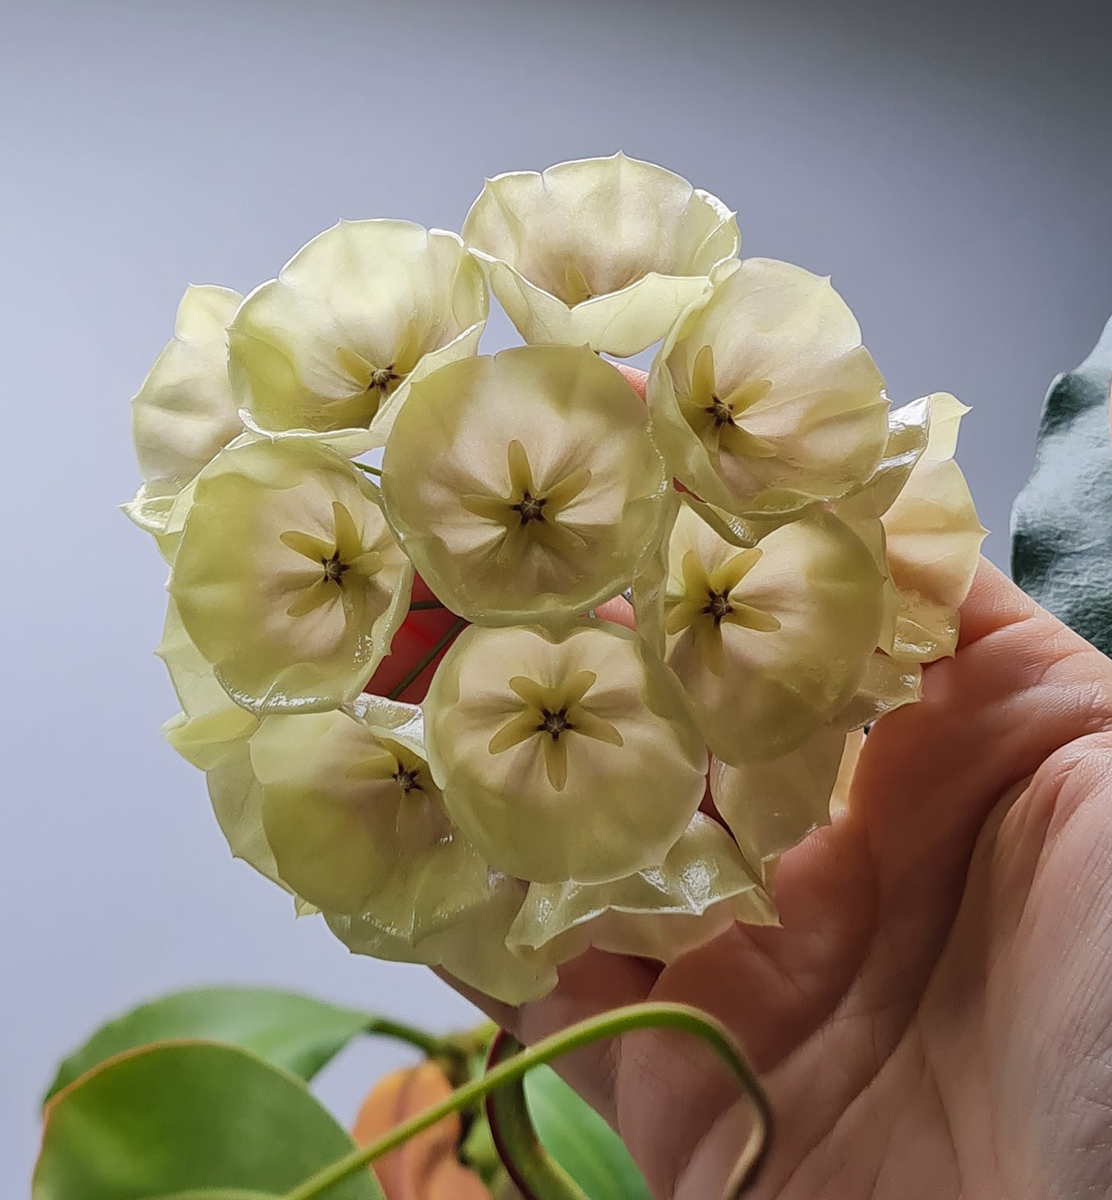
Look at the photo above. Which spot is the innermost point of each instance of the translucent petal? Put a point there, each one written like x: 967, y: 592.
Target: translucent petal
x: 703, y: 886
x: 556, y: 418
x: 347, y: 834
x: 184, y: 412
x: 363, y: 300
x: 621, y: 807
x: 604, y: 252
x: 815, y: 414
x: 252, y: 604
x: 887, y: 684
x: 772, y: 805
x: 762, y: 689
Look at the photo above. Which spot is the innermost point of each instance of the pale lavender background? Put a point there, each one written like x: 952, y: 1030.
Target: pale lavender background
x: 947, y: 163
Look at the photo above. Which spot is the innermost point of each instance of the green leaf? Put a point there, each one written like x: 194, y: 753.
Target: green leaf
x: 291, y: 1031
x: 581, y: 1141
x: 1062, y: 519
x: 188, y: 1117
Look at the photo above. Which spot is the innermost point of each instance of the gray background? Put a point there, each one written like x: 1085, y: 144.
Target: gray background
x: 948, y: 163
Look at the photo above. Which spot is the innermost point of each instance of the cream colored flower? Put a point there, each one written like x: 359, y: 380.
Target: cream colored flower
x: 184, y: 412
x: 212, y: 732
x: 763, y: 397
x: 353, y: 318
x: 524, y: 486
x: 604, y: 252
x: 286, y: 576
x: 565, y: 755
x: 887, y: 684
x: 473, y: 949
x: 768, y: 641
x: 772, y: 805
x: 355, y: 821
x: 703, y: 886
x: 918, y: 516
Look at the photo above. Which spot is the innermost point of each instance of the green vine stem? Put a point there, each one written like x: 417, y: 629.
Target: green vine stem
x: 445, y: 639
x: 367, y: 467
x: 610, y: 1024
x: 533, y: 1171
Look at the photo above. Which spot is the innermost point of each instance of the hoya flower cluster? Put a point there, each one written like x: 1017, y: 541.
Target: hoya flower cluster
x: 391, y: 559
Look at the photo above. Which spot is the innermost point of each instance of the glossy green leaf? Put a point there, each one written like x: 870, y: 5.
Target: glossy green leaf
x: 291, y: 1031
x: 581, y: 1141
x: 1062, y: 519
x: 181, y: 1117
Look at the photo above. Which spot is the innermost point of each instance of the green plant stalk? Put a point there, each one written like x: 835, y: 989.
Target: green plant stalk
x: 368, y: 468
x: 456, y: 627
x: 534, y: 1172
x: 611, y: 1024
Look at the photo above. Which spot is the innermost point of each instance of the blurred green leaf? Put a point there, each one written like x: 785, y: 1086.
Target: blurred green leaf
x: 291, y: 1031
x: 184, y: 1117
x: 1062, y: 519
x: 581, y: 1141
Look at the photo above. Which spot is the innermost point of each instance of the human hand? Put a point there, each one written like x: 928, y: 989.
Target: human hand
x: 934, y: 1016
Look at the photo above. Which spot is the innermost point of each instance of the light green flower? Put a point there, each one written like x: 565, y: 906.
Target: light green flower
x: 566, y: 755
x: 604, y: 252
x: 353, y: 318
x: 355, y: 821
x: 473, y: 949
x: 772, y: 805
x: 524, y: 486
x: 763, y: 397
x: 768, y: 641
x: 917, y: 515
x: 286, y: 576
x: 212, y: 732
x: 184, y: 413
x: 703, y: 886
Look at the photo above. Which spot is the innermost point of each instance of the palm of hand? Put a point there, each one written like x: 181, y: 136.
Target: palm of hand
x: 934, y: 1018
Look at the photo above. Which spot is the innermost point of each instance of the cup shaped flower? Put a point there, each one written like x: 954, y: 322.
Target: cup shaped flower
x: 762, y: 395
x: 212, y: 732
x: 772, y: 805
x: 353, y: 317
x: 185, y: 412
x: 563, y: 755
x: 604, y: 252
x: 933, y: 540
x: 286, y: 576
x: 356, y: 822
x: 524, y: 486
x: 703, y: 886
x: 769, y: 641
x: 473, y: 948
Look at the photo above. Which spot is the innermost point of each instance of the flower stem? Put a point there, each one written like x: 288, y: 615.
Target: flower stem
x: 415, y: 672
x: 368, y: 468
x: 532, y: 1170
x: 607, y: 1025
x: 428, y: 1043
x: 424, y: 605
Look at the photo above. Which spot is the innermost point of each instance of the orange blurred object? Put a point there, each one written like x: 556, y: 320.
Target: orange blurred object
x: 425, y: 1167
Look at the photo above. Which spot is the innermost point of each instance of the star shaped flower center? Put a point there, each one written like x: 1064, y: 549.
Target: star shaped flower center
x: 530, y: 513
x: 345, y: 567
x: 553, y: 714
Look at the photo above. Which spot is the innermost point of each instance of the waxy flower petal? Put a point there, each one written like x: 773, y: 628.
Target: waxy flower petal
x: 763, y: 395
x: 565, y: 755
x: 286, y: 576
x: 356, y: 315
x: 703, y: 887
x: 524, y: 486
x: 604, y: 252
x: 768, y: 641
x: 772, y: 805
x: 473, y: 948
x: 353, y: 816
x: 185, y: 413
